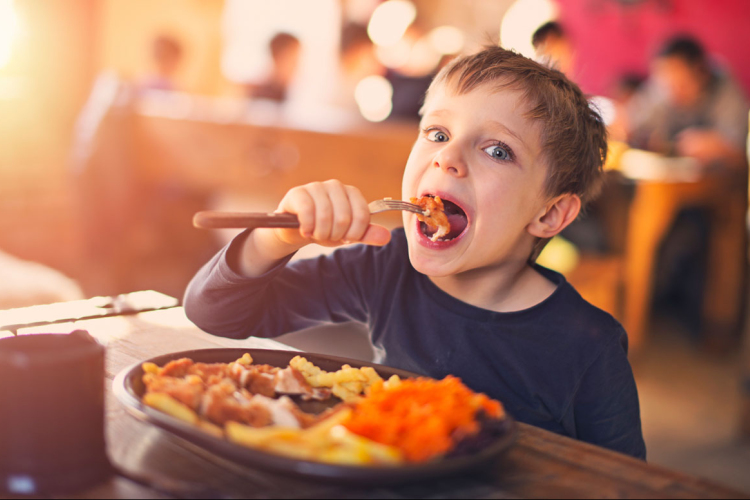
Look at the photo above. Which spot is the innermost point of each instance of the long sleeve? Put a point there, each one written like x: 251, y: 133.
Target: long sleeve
x: 290, y: 297
x: 606, y: 407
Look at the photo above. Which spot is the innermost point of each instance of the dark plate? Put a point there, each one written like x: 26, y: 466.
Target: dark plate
x: 128, y: 388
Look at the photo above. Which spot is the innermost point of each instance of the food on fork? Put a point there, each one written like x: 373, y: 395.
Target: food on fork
x: 434, y: 215
x: 377, y: 422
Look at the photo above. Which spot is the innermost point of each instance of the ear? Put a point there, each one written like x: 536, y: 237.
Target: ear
x: 555, y: 216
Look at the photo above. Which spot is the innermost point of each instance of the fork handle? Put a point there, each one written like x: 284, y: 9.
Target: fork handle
x: 250, y: 220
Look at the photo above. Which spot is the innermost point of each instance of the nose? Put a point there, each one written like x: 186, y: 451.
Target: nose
x: 450, y: 159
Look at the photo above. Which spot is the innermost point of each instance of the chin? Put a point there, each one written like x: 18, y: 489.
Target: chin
x: 430, y: 262
x: 431, y: 267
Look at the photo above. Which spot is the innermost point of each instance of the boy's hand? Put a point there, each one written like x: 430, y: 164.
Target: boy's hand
x: 330, y: 214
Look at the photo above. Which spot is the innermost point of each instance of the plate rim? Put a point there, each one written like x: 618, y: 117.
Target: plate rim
x: 307, y: 469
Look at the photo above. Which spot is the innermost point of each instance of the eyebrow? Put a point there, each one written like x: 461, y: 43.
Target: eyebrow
x: 437, y: 112
x: 510, y: 133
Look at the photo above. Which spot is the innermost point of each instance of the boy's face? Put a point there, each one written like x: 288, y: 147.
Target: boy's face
x: 482, y: 156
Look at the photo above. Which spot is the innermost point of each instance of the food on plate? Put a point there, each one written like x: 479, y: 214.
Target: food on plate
x: 424, y: 418
x: 347, y: 384
x: 434, y: 215
x: 326, y: 441
x: 376, y: 422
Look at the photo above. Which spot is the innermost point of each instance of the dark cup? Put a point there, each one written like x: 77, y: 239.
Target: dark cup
x: 51, y: 414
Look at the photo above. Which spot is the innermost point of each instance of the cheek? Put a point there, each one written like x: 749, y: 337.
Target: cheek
x: 412, y: 174
x: 512, y: 203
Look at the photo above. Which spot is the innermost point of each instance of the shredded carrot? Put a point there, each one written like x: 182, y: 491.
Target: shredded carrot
x: 422, y: 417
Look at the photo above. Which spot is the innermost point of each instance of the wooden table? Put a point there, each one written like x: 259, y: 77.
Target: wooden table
x: 540, y: 464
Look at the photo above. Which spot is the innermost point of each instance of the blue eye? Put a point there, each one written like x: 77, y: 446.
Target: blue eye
x: 437, y: 136
x: 498, y: 152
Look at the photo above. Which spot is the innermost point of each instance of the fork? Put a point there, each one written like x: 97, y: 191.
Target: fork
x: 212, y: 219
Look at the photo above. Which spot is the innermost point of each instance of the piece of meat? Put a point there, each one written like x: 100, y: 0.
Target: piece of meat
x: 291, y: 381
x: 258, y: 379
x: 187, y: 391
x: 434, y: 215
x: 177, y: 368
x: 223, y: 403
x: 318, y: 394
x: 283, y: 410
x: 224, y: 392
x: 208, y: 370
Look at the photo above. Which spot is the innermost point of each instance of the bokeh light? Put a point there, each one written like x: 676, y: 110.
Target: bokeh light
x: 447, y: 39
x: 390, y: 21
x: 9, y: 29
x: 374, y: 96
x: 520, y: 22
x: 605, y: 107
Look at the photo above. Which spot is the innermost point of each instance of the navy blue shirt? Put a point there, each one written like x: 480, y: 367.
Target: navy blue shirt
x: 561, y: 365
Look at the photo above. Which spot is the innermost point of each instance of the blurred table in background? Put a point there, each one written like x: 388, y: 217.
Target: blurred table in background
x: 663, y: 188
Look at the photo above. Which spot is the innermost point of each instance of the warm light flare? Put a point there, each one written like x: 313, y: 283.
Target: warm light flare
x: 9, y: 29
x: 389, y: 22
x: 374, y: 96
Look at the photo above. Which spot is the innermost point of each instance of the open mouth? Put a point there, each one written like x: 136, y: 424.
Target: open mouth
x: 457, y: 219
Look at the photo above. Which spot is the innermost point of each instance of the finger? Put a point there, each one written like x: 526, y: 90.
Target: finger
x: 323, y: 211
x: 342, y: 210
x: 299, y: 201
x: 376, y: 235
x: 360, y: 214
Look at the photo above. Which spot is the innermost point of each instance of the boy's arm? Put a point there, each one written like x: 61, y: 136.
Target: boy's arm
x: 606, y: 408
x: 247, y: 289
x: 289, y: 297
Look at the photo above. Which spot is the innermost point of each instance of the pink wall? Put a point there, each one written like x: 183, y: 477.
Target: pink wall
x: 612, y: 37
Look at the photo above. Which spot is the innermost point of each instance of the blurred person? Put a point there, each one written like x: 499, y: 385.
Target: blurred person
x: 553, y: 47
x: 166, y: 55
x: 411, y: 81
x: 357, y: 60
x: 691, y: 108
x: 285, y: 53
x: 624, y: 96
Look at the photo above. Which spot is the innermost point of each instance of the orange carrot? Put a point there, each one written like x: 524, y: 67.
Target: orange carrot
x: 422, y: 417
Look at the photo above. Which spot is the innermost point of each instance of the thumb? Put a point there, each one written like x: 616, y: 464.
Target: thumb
x: 376, y: 235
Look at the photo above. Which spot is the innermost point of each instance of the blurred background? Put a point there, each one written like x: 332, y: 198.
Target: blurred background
x: 119, y: 119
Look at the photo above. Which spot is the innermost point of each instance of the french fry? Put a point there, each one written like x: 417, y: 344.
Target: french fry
x: 245, y: 360
x: 282, y: 441
x: 170, y: 406
x: 323, y: 428
x: 365, y: 448
x: 212, y: 429
x: 258, y: 436
x: 326, y: 441
x: 150, y: 368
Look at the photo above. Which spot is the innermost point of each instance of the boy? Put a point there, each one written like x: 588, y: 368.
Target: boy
x: 512, y: 148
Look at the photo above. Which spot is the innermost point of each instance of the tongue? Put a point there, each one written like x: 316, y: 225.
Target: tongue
x: 458, y: 223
